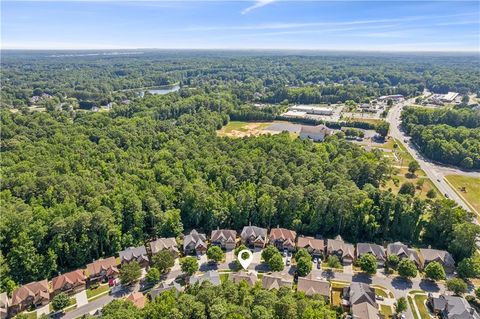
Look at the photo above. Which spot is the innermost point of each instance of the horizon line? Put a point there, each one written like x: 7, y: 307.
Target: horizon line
x: 241, y: 49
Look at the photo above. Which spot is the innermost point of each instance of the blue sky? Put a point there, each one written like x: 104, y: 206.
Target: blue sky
x: 265, y: 24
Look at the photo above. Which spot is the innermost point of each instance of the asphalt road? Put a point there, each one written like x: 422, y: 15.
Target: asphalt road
x: 434, y: 171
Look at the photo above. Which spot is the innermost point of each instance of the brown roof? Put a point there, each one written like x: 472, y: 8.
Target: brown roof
x: 162, y: 244
x: 365, y: 310
x: 277, y: 280
x: 138, y: 299
x: 442, y: 256
x: 339, y: 244
x: 312, y: 285
x: 95, y: 268
x: 237, y: 277
x: 227, y: 235
x: 38, y: 290
x: 317, y: 244
x: 73, y: 278
x: 282, y: 234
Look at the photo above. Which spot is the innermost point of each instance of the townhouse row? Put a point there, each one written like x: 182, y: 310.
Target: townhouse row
x: 37, y: 294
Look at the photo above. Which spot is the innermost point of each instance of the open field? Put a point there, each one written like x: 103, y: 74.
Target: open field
x: 396, y: 152
x: 471, y: 193
x: 242, y: 129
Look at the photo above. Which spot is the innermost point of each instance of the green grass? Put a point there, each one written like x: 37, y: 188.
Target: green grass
x: 71, y: 301
x: 420, y: 301
x: 381, y: 292
x: 336, y: 297
x: 410, y: 302
x: 472, y: 189
x: 223, y: 277
x: 386, y: 311
x: 97, y: 291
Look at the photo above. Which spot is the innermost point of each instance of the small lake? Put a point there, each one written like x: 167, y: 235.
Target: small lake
x: 164, y: 89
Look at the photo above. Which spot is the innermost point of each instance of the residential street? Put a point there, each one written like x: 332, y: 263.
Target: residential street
x: 434, y: 171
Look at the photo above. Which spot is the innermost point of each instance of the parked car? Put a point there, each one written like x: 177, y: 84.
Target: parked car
x: 315, y: 260
x: 287, y: 262
x: 285, y: 253
x: 319, y: 265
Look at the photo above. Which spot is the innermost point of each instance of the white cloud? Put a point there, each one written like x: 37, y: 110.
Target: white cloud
x: 258, y: 4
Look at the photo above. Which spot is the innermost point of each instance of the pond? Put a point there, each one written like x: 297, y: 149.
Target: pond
x: 162, y: 89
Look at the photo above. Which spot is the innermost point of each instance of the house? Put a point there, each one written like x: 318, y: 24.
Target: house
x: 160, y: 244
x: 4, y: 305
x: 376, y: 250
x: 452, y: 307
x: 316, y: 247
x: 138, y: 254
x: 102, y: 269
x: 155, y: 292
x: 195, y: 242
x: 254, y: 236
x: 249, y: 277
x: 211, y: 276
x: 441, y: 256
x: 360, y: 298
x: 225, y: 238
x: 345, y: 252
x: 69, y: 283
x: 276, y: 280
x: 137, y: 298
x: 403, y: 252
x: 33, y: 294
x: 283, y: 238
x: 312, y: 285
x: 315, y: 133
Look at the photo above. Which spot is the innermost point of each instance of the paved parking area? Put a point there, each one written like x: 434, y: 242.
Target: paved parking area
x: 81, y: 298
x: 203, y: 259
x: 348, y: 269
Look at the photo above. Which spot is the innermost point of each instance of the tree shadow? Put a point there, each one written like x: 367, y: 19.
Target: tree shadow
x: 401, y: 283
x: 362, y: 277
x: 429, y: 285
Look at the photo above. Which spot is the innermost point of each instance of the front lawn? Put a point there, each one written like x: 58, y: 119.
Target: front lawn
x: 97, y: 291
x: 420, y: 302
x: 386, y: 311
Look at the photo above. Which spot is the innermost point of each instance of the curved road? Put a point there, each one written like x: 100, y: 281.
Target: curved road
x: 435, y: 172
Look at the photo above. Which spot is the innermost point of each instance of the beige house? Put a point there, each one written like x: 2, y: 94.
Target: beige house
x: 195, y: 242
x: 160, y: 244
x: 312, y: 285
x: 345, y: 252
x: 254, y: 236
x: 276, y: 280
x: 224, y: 238
x: 441, y: 256
x: 249, y: 277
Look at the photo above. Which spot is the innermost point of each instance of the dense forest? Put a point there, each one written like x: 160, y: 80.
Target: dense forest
x: 77, y: 186
x: 450, y: 136
x: 229, y: 301
x: 98, y: 78
x: 82, y: 187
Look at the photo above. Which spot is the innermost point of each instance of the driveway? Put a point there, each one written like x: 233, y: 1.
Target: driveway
x: 45, y: 310
x: 257, y: 258
x: 81, y: 298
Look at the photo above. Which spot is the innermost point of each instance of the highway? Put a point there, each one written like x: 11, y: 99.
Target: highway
x: 434, y: 171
